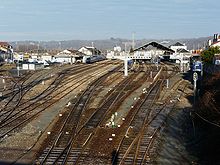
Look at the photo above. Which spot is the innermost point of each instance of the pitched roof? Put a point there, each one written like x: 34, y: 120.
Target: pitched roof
x: 72, y: 51
x: 4, y: 44
x: 177, y: 44
x: 215, y: 42
x: 182, y: 51
x: 154, y: 46
x: 94, y: 50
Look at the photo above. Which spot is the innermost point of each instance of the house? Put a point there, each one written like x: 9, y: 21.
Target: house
x: 34, y: 56
x: 181, y: 55
x: 117, y: 51
x: 89, y: 51
x: 47, y: 57
x: 69, y: 56
x: 216, y: 59
x: 18, y: 57
x: 215, y: 42
x: 6, y: 51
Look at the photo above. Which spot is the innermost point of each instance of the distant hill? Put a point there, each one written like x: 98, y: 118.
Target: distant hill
x: 108, y: 44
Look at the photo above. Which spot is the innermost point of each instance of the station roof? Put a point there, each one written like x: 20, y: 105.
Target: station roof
x: 153, y: 46
x: 182, y: 51
x: 177, y: 44
x: 69, y: 52
x: 93, y: 49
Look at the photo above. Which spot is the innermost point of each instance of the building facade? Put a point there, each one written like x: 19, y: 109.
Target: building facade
x: 6, y: 51
x: 89, y: 51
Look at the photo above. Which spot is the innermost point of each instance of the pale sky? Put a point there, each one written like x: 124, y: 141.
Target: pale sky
x: 102, y: 19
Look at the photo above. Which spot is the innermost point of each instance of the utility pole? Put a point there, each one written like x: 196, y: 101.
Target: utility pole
x: 92, y: 49
x: 125, y: 46
x: 38, y: 46
x: 133, y: 41
x: 60, y: 45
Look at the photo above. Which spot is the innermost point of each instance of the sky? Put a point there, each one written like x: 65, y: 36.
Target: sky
x: 46, y: 20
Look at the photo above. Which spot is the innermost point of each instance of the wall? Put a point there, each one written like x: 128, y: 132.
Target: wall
x: 85, y: 51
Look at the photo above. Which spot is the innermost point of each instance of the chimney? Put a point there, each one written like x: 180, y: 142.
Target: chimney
x: 215, y: 38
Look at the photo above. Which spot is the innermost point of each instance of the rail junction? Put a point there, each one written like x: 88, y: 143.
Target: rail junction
x: 89, y: 114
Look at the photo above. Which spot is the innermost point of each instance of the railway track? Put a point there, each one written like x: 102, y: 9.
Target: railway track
x: 77, y: 131
x: 91, y: 137
x: 137, y: 122
x: 88, y: 127
x: 44, y: 94
x: 24, y: 114
x: 61, y: 145
x: 141, y: 149
x: 26, y: 86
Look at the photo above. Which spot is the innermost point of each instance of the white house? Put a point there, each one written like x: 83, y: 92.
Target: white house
x: 41, y: 58
x: 89, y: 51
x: 181, y: 56
x: 215, y: 42
x: 35, y: 56
x: 47, y: 57
x: 18, y: 56
x: 117, y: 51
x: 6, y: 51
x: 69, y: 56
x: 216, y: 59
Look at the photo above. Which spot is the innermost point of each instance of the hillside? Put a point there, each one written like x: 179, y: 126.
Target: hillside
x: 192, y: 43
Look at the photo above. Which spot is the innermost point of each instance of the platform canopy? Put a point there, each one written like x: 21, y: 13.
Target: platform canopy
x: 153, y: 46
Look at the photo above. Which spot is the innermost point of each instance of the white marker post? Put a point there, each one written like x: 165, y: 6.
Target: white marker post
x: 18, y: 69
x: 167, y: 83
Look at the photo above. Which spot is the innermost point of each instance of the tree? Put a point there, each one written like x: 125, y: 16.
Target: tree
x: 208, y: 54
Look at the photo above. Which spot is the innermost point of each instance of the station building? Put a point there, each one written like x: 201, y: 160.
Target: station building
x: 178, y: 46
x: 151, y: 51
x: 69, y: 56
x: 148, y: 52
x: 89, y: 51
